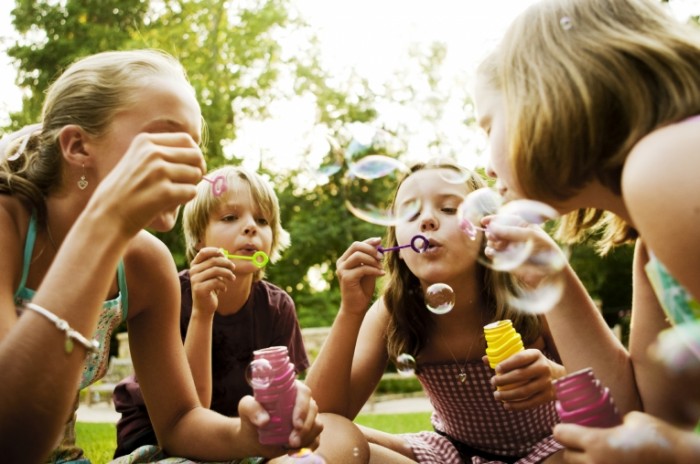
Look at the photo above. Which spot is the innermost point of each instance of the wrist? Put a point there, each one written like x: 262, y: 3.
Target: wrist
x: 199, y: 315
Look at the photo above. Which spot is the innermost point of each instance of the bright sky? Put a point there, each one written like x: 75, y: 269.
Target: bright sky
x: 368, y: 36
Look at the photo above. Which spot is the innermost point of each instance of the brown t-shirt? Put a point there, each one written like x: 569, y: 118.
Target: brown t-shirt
x: 267, y: 319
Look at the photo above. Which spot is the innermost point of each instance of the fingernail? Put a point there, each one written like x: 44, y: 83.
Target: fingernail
x: 261, y: 418
x: 294, y: 439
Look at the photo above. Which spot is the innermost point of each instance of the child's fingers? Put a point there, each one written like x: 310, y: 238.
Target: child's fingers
x: 518, y: 361
x: 252, y: 411
x: 306, y: 422
x: 308, y: 436
x: 572, y: 436
x: 526, y: 393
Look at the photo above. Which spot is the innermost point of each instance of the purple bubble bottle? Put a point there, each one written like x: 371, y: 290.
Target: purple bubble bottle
x: 276, y: 395
x: 583, y: 400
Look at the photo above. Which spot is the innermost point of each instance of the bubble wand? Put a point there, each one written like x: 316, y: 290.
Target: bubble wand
x: 218, y: 185
x: 259, y: 258
x: 413, y: 245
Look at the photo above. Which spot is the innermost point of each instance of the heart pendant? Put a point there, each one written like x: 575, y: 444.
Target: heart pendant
x: 82, y: 183
x: 462, y: 377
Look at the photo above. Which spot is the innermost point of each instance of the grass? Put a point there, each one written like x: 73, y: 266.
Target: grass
x: 99, y: 439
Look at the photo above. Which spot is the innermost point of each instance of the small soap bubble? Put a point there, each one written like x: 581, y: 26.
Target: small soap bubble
x: 511, y: 255
x: 449, y: 173
x: 325, y: 157
x: 566, y: 23
x: 477, y: 205
x: 259, y: 374
x: 678, y: 349
x: 368, y: 186
x: 405, y: 365
x: 540, y: 298
x: 531, y: 211
x: 439, y: 298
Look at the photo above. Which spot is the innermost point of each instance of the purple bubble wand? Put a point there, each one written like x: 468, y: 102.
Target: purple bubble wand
x: 413, y: 245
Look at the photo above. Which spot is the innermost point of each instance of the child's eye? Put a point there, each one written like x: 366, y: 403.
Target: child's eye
x: 413, y: 216
x: 229, y: 218
x: 449, y: 210
x: 263, y: 222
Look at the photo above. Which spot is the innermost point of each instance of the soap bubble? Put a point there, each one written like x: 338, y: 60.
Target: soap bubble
x: 259, y: 374
x: 439, y: 298
x: 405, y: 365
x: 369, y: 185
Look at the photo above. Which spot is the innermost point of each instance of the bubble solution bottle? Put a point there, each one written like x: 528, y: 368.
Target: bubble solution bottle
x: 277, y: 394
x: 583, y: 400
x: 502, y: 342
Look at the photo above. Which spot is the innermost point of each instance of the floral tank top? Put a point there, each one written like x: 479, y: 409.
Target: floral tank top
x: 676, y: 301
x: 113, y: 312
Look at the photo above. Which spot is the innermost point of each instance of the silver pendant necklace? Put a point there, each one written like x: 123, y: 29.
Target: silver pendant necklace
x: 462, y: 376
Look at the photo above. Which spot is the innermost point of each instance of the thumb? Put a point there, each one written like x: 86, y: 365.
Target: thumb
x: 252, y: 411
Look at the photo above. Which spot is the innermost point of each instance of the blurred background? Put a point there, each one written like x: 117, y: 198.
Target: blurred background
x: 277, y: 79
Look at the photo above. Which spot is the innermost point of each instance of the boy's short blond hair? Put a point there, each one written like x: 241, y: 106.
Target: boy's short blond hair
x: 197, y: 212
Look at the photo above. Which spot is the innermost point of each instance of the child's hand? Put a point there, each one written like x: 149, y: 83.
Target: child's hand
x: 253, y: 416
x: 307, y: 423
x: 641, y: 439
x: 210, y: 271
x: 357, y: 270
x: 158, y: 172
x: 525, y: 380
x: 546, y: 256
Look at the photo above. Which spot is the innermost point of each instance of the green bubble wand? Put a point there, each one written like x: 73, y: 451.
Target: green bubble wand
x: 259, y: 258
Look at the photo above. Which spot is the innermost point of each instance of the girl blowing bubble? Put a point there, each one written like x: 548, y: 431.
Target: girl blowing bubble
x: 592, y: 107
x: 472, y: 418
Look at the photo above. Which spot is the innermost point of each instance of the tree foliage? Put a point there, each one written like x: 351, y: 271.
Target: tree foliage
x: 236, y: 59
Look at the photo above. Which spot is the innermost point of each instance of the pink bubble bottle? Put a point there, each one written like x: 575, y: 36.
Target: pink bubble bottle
x: 277, y: 395
x: 502, y: 342
x: 583, y: 400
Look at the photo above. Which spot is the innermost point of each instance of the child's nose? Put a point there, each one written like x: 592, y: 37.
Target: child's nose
x: 428, y: 223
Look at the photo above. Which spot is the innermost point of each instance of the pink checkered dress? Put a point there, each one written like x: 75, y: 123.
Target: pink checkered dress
x: 469, y: 414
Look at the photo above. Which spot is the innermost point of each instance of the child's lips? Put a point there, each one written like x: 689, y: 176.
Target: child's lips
x: 247, y: 251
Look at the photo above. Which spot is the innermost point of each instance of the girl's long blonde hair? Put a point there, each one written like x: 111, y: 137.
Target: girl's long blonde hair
x: 410, y: 323
x: 583, y: 81
x: 88, y: 94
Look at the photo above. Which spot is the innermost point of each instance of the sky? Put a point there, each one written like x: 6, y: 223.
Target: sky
x: 370, y: 37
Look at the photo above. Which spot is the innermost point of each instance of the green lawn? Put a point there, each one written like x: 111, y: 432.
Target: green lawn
x: 99, y: 440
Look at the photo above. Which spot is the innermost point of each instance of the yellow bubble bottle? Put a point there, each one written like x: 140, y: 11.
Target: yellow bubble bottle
x: 502, y: 342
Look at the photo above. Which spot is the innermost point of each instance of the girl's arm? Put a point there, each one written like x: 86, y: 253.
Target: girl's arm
x: 583, y: 339
x: 209, y: 273
x: 662, y: 195
x: 353, y: 357
x: 648, y: 320
x: 581, y: 335
x: 40, y: 378
x: 184, y: 428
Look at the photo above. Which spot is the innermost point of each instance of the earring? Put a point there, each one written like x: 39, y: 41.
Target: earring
x: 82, y: 183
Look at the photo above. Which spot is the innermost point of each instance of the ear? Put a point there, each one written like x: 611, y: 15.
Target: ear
x: 73, y: 142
